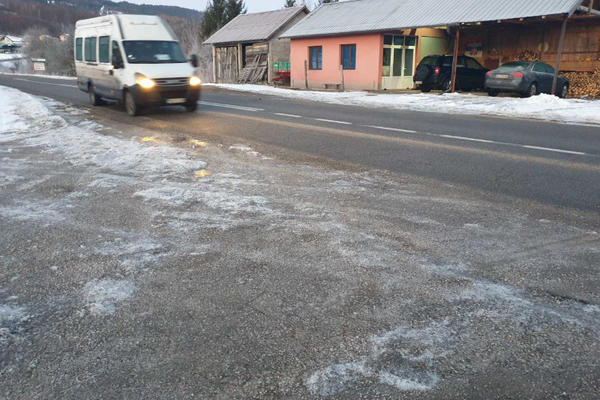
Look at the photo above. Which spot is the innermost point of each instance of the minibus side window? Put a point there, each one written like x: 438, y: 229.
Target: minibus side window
x: 90, y: 49
x: 103, y: 49
x: 78, y: 49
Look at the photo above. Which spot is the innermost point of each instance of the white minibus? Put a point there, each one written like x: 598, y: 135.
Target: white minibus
x: 135, y: 60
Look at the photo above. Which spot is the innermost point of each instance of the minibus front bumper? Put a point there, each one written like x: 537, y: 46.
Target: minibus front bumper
x: 176, y: 91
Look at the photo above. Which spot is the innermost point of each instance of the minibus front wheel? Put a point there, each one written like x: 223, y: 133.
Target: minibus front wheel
x: 191, y: 106
x: 131, y: 106
x: 94, y: 99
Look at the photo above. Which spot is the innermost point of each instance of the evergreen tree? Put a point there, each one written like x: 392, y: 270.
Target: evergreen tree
x: 220, y: 12
x: 234, y: 8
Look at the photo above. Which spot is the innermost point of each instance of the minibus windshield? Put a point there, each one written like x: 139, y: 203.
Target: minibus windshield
x: 153, y: 52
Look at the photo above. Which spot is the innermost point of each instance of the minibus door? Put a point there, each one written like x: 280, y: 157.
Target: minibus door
x: 117, y: 72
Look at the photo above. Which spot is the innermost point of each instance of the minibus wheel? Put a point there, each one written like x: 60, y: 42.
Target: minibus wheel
x: 131, y: 106
x: 191, y: 106
x: 94, y: 99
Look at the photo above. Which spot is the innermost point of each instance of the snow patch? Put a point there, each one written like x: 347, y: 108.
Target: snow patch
x: 122, y: 247
x: 11, y: 319
x: 9, y: 314
x: 336, y: 378
x: 43, y: 212
x: 210, y: 196
x: 102, y: 296
x: 414, y: 381
x: 133, y: 252
x: 403, y: 358
x: 244, y: 149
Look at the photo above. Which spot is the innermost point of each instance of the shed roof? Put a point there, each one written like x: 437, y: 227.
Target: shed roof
x: 255, y: 27
x: 380, y: 15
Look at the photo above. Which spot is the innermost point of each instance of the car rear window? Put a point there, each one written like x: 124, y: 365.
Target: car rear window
x: 448, y: 61
x: 515, y: 66
x: 431, y: 60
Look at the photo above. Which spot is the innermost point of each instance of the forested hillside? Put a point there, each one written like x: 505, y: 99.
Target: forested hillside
x: 17, y: 16
x: 130, y: 8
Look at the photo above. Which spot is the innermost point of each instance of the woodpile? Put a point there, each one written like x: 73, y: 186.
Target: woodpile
x: 528, y: 55
x: 584, y: 84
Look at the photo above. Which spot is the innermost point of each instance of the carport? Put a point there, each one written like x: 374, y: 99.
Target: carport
x: 504, y: 16
x: 469, y: 15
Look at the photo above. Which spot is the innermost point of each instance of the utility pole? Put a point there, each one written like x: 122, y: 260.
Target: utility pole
x: 561, y: 43
x: 455, y: 60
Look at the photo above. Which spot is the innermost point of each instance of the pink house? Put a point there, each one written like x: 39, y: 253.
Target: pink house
x: 347, y: 45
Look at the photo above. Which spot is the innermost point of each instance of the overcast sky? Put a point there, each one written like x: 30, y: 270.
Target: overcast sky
x: 252, y: 5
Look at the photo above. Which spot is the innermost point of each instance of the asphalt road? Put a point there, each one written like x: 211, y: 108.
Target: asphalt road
x: 550, y: 163
x: 163, y: 257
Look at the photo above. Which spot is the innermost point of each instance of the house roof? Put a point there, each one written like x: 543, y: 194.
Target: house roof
x: 255, y: 27
x: 13, y: 39
x: 380, y: 15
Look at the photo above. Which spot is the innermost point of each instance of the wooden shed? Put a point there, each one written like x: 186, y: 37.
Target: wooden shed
x: 248, y: 47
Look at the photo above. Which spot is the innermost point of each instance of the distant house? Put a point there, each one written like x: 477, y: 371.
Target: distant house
x: 377, y: 44
x: 248, y: 47
x: 10, y: 44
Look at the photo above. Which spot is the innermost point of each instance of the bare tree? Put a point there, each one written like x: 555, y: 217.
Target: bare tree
x: 57, y: 53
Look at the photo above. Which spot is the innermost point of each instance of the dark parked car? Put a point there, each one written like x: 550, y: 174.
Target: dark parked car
x: 435, y: 72
x: 525, y: 78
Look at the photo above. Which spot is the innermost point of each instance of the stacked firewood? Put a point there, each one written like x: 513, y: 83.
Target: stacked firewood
x: 584, y: 84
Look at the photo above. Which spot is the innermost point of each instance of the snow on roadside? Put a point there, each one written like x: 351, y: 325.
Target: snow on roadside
x: 63, y: 77
x: 23, y: 118
x: 544, y: 107
x: 10, y: 56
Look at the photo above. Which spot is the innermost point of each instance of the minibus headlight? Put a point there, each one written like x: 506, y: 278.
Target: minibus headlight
x: 195, y: 81
x: 146, y: 83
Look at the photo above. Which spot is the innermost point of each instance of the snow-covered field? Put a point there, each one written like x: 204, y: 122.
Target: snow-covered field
x: 185, y: 266
x: 544, y: 107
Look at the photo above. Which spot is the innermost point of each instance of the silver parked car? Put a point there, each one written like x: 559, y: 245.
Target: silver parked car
x: 526, y: 78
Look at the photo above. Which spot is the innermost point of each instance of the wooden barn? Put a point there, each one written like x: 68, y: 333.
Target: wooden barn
x: 248, y: 47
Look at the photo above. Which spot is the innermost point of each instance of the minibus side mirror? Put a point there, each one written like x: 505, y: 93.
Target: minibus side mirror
x: 117, y: 62
x: 194, y: 60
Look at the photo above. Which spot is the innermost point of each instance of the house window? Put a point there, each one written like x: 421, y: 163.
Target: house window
x: 349, y: 56
x: 315, y: 57
x: 90, y: 49
x: 78, y: 49
x: 103, y: 49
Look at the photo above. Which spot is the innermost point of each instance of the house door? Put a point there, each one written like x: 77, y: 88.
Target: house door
x: 398, y: 61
